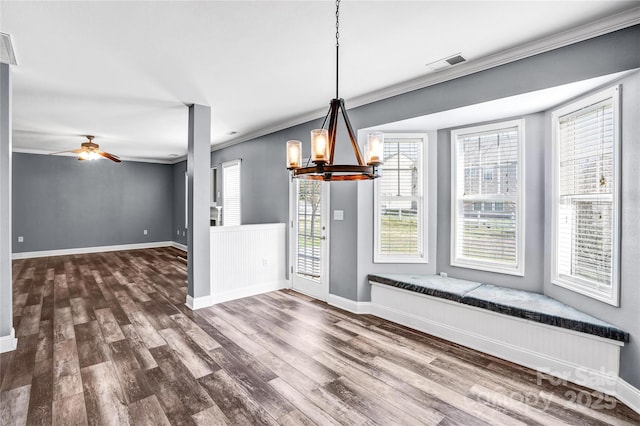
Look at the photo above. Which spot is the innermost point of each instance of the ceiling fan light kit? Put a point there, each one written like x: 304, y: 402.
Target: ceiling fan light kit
x: 91, y: 151
x: 323, y: 144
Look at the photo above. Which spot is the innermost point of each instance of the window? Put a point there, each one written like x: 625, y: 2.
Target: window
x: 399, y: 225
x: 586, y: 182
x: 487, y: 211
x: 231, y: 193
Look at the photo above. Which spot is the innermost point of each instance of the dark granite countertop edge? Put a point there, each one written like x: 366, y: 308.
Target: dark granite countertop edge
x: 415, y: 288
x: 612, y: 333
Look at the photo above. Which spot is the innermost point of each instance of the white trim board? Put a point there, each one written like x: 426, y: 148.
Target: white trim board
x: 249, y: 291
x: 628, y: 395
x: 206, y: 301
x: 83, y: 250
x: 179, y: 246
x: 349, y: 305
x: 194, y: 303
x: 9, y: 342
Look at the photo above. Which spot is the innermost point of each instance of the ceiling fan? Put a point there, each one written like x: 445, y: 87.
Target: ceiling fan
x: 91, y: 151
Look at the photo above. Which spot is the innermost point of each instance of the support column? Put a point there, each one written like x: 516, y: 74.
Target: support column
x: 8, y: 341
x: 198, y: 225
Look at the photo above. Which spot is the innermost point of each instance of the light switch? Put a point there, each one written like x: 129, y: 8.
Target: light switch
x: 338, y: 215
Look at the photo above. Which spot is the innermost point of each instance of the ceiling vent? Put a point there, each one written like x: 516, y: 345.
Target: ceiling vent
x: 7, y: 56
x: 447, y: 62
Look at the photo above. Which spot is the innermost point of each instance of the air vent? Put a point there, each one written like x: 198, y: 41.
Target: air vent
x: 455, y: 60
x: 7, y: 56
x: 446, y: 62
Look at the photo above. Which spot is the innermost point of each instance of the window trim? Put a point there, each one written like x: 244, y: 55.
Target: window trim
x: 518, y: 270
x: 423, y: 228
x: 575, y: 285
x: 225, y: 165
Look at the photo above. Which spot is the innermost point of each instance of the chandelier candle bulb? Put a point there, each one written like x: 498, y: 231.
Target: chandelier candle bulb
x: 320, y: 145
x: 294, y: 154
x: 374, y: 149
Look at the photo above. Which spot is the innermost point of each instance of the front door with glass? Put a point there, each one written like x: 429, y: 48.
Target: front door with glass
x: 309, y: 242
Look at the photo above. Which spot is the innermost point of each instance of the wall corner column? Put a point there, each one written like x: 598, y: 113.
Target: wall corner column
x: 8, y: 341
x: 198, y: 225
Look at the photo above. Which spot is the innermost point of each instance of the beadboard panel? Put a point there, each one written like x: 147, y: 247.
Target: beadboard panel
x: 247, y: 260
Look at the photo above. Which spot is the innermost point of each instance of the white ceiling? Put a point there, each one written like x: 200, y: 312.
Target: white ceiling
x: 123, y: 71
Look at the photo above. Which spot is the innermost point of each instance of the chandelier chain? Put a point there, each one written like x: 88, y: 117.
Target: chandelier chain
x: 337, y: 46
x: 337, y: 23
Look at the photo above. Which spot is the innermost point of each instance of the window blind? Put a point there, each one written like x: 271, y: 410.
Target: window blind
x: 231, y: 193
x: 586, y: 181
x: 487, y: 198
x: 399, y: 200
x: 309, y: 229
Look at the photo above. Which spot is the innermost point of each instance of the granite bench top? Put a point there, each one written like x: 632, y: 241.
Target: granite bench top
x: 517, y: 303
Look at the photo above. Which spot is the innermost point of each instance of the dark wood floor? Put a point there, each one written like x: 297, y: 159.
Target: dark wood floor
x: 106, y: 339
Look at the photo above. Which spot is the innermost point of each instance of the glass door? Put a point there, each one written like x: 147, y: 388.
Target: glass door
x: 310, y: 233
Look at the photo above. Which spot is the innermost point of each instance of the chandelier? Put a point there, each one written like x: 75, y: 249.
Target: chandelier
x: 323, y: 143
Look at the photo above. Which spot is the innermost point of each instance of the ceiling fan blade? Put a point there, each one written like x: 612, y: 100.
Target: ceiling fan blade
x: 59, y: 152
x: 80, y: 159
x: 109, y: 156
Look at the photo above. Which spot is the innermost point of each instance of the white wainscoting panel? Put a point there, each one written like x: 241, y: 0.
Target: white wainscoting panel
x: 247, y: 260
x: 581, y: 358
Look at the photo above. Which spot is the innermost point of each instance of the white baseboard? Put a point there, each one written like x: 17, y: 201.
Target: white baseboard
x: 349, y: 305
x: 83, y: 250
x: 199, y: 302
x: 628, y: 395
x: 179, y: 246
x: 9, y: 342
x: 249, y: 291
x: 206, y: 301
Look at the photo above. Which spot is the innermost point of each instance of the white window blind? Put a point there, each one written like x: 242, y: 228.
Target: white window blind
x: 585, y: 205
x: 487, y: 198
x: 309, y: 229
x: 231, y: 215
x: 399, y: 201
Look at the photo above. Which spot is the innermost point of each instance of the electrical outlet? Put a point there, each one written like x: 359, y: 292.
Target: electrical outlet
x: 264, y: 261
x: 184, y: 233
x: 178, y: 232
x: 145, y: 232
x: 21, y: 239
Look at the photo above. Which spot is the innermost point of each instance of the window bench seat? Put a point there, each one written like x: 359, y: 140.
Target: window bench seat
x: 527, y: 328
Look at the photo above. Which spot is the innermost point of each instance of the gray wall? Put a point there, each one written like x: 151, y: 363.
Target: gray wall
x: 627, y: 316
x: 178, y: 231
x: 534, y: 144
x: 62, y: 203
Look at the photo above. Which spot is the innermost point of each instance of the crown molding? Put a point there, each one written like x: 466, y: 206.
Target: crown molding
x: 574, y: 35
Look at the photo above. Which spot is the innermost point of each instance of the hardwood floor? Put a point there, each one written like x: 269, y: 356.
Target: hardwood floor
x: 106, y: 339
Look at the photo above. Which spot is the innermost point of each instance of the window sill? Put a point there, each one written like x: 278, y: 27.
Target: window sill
x: 600, y: 296
x: 404, y: 260
x: 488, y: 268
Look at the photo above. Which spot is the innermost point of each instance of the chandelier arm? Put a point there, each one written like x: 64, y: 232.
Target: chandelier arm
x: 352, y: 136
x: 333, y: 128
x: 326, y: 116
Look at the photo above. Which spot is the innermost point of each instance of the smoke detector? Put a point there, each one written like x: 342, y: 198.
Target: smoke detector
x: 7, y: 55
x: 446, y: 62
